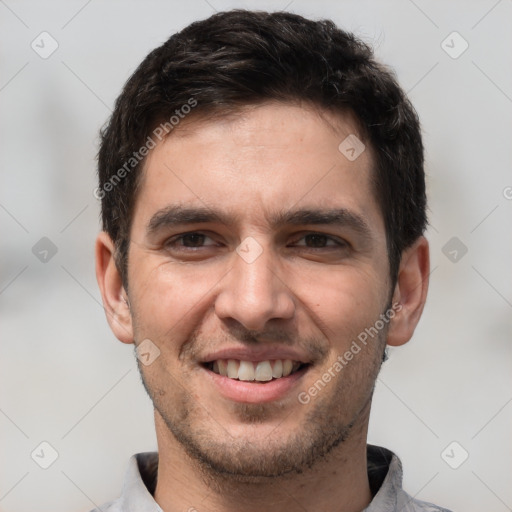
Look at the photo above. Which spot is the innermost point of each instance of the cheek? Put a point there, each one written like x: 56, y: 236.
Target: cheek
x: 344, y: 300
x: 167, y: 297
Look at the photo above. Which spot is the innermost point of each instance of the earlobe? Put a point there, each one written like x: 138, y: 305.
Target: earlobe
x: 410, y: 292
x: 115, y: 300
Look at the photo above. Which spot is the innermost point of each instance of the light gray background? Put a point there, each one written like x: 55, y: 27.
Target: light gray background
x: 66, y: 380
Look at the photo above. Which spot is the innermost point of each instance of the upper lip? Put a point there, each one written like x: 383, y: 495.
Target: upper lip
x: 256, y: 354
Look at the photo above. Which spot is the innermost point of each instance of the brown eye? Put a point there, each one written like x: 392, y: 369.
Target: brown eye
x: 193, y: 240
x: 316, y: 240
x: 319, y: 241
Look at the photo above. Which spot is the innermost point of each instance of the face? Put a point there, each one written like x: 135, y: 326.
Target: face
x: 257, y: 258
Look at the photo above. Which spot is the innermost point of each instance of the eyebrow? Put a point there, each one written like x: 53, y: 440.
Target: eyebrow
x: 179, y: 215
x: 334, y: 217
x: 174, y: 215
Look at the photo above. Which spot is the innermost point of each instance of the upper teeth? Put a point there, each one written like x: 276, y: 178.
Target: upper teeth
x: 261, y: 371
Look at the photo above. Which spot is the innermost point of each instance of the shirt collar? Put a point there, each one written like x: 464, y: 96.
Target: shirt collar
x: 384, y: 474
x: 140, y: 476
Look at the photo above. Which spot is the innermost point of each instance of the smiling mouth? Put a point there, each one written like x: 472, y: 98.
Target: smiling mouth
x: 257, y: 371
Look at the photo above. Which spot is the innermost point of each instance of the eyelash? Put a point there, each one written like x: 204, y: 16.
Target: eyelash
x: 181, y: 237
x: 338, y: 242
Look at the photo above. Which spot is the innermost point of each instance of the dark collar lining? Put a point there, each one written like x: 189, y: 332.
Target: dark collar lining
x: 378, y: 459
x: 148, y: 468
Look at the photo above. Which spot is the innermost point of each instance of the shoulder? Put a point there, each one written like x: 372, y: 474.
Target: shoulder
x: 112, y: 506
x: 385, y: 478
x: 406, y: 503
x: 138, y: 486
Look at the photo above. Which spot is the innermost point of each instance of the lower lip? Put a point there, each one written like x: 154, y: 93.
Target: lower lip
x: 252, y: 392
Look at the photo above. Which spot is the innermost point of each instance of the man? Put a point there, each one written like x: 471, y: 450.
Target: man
x: 263, y: 206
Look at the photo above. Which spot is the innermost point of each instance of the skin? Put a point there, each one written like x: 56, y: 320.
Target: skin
x: 315, y: 294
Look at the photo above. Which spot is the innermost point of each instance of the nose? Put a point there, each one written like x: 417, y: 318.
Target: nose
x: 252, y: 293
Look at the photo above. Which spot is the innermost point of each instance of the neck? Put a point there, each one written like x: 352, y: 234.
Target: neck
x: 337, y: 482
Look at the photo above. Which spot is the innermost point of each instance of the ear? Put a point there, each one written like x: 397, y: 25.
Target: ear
x: 410, y: 292
x: 115, y: 298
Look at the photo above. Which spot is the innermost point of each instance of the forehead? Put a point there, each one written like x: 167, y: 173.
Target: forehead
x: 260, y: 161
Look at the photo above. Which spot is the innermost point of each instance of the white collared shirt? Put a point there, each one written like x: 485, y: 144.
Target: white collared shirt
x: 384, y: 474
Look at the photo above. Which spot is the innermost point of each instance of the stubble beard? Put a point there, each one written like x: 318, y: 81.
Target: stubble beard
x: 325, y: 427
